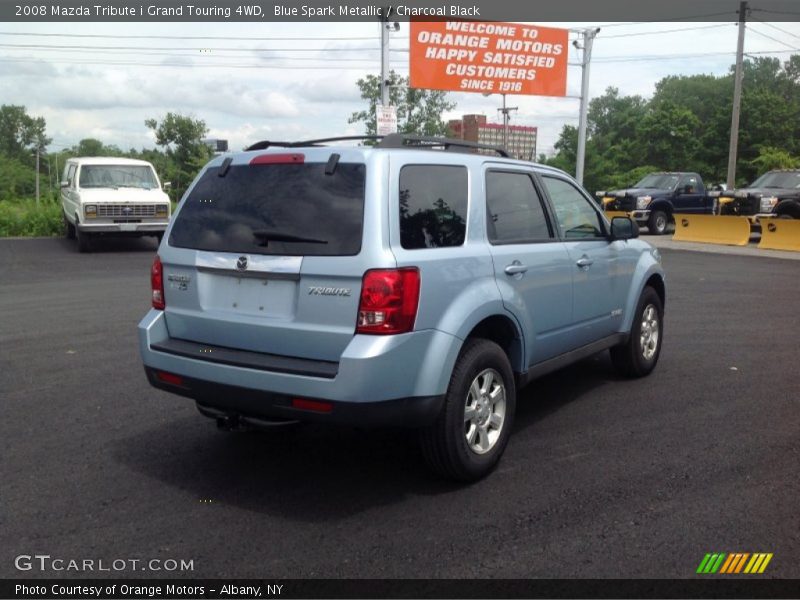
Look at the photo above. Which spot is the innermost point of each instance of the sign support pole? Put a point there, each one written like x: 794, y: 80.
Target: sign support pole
x: 588, y: 40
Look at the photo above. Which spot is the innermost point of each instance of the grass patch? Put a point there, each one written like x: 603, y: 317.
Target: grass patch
x: 24, y: 218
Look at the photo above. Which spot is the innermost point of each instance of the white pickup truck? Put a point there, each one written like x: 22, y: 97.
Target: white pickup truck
x: 112, y: 196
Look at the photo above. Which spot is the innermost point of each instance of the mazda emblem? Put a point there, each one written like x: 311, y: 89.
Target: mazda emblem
x: 241, y: 264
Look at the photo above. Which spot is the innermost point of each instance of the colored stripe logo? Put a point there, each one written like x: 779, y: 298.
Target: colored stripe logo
x: 734, y: 563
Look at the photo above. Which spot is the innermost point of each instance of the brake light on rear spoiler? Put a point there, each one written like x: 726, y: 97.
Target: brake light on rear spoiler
x: 294, y: 158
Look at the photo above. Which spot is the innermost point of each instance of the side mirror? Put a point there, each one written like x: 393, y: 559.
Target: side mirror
x: 64, y: 183
x: 167, y: 185
x: 623, y: 228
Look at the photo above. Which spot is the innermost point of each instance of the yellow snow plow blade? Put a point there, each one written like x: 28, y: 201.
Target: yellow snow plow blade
x: 712, y: 229
x: 610, y: 214
x: 780, y: 234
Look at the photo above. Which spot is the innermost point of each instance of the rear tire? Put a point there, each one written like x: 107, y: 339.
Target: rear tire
x: 658, y: 222
x: 472, y: 430
x: 639, y: 355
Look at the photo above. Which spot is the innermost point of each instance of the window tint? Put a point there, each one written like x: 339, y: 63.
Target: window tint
x: 433, y: 206
x: 114, y: 176
x: 515, y: 213
x: 281, y: 209
x: 574, y: 213
x: 689, y: 180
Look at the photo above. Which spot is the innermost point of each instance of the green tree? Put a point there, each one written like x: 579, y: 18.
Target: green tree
x: 20, y: 133
x: 770, y: 158
x: 686, y: 126
x: 418, y: 111
x: 185, y: 152
x: 94, y: 147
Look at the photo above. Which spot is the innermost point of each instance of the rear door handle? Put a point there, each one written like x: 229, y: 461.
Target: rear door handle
x: 515, y: 268
x: 584, y: 261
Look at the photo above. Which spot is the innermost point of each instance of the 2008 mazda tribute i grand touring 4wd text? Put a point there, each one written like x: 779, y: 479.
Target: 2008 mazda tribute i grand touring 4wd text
x: 414, y: 282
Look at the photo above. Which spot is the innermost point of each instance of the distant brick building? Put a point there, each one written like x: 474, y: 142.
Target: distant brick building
x: 475, y: 128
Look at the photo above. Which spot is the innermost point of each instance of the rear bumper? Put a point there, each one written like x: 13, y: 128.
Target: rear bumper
x: 377, y: 380
x: 233, y: 400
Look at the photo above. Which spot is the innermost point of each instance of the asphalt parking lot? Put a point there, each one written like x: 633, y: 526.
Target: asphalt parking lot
x: 602, y: 478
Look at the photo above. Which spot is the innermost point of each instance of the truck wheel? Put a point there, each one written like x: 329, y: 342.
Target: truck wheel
x: 84, y: 240
x: 639, y: 355
x: 69, y: 228
x: 657, y: 223
x: 470, y: 434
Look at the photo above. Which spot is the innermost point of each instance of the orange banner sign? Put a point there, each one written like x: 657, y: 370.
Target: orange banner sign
x: 493, y: 57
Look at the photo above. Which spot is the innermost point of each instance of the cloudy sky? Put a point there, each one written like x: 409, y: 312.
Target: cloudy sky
x: 297, y: 80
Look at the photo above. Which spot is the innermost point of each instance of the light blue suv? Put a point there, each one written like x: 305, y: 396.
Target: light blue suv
x: 417, y: 282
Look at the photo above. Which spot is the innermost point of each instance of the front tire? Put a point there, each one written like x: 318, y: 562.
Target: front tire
x: 84, y: 240
x: 69, y: 228
x: 657, y: 223
x: 472, y: 430
x: 639, y: 355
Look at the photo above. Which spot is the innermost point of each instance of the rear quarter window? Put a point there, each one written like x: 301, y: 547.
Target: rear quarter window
x: 433, y: 206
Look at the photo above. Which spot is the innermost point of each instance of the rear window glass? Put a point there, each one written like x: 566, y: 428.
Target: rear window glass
x: 283, y: 209
x: 433, y: 206
x: 515, y: 210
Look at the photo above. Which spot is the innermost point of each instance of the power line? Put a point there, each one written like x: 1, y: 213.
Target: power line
x: 623, y: 35
x: 769, y: 37
x: 777, y: 28
x: 612, y: 59
x: 776, y: 12
x: 691, y: 18
x: 185, y: 66
x: 190, y: 37
x: 198, y: 49
x: 200, y: 56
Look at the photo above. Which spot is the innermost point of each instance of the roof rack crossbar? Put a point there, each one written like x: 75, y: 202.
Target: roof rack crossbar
x: 400, y: 140
x: 264, y: 144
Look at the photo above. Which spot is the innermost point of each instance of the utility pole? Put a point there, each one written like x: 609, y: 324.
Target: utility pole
x: 37, y: 174
x: 733, y: 147
x: 385, y: 61
x: 506, y: 118
x: 588, y: 40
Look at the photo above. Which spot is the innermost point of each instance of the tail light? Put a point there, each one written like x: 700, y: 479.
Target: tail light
x: 157, y: 284
x: 389, y: 301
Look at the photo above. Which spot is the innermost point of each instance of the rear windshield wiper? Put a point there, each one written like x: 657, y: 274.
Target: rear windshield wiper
x: 264, y: 236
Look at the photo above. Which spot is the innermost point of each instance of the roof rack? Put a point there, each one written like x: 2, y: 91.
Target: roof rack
x: 402, y: 140
x: 264, y: 144
x: 393, y: 140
